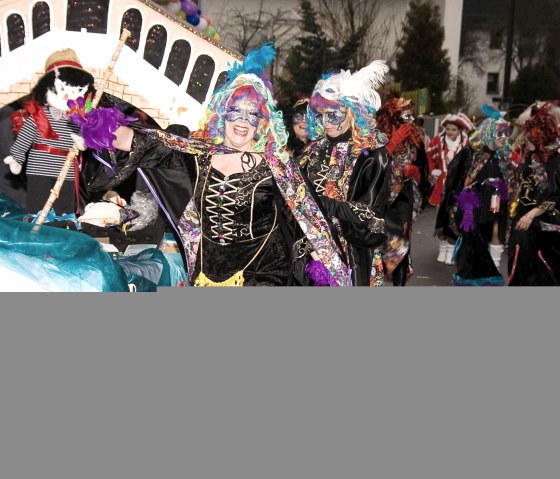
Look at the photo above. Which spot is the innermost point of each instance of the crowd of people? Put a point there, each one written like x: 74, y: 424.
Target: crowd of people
x: 325, y: 193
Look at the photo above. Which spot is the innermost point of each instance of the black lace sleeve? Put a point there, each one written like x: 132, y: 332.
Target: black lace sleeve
x: 145, y: 153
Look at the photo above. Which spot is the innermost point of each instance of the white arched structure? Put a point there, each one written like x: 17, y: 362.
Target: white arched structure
x: 168, y: 68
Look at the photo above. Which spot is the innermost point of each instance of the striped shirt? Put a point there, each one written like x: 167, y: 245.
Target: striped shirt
x: 39, y: 162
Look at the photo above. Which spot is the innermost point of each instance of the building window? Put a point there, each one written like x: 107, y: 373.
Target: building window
x: 178, y: 61
x: 496, y: 38
x: 88, y: 14
x: 200, y: 79
x: 220, y: 81
x: 16, y: 31
x: 492, y: 83
x: 132, y: 21
x: 155, y: 45
x: 41, y: 19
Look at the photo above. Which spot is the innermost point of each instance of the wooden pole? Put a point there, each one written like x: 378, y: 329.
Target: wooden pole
x: 74, y: 151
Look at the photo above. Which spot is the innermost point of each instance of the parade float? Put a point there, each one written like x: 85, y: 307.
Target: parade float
x: 169, y: 64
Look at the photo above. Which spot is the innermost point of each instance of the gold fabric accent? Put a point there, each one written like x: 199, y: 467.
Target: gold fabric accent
x: 236, y: 280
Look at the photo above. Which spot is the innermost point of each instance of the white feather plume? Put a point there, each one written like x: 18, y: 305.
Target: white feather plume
x: 359, y: 87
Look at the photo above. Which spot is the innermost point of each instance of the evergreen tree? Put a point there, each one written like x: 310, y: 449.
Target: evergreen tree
x: 421, y: 61
x: 313, y: 55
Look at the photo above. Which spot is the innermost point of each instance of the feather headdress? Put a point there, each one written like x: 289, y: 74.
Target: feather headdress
x: 255, y: 63
x: 359, y: 87
x: 492, y: 112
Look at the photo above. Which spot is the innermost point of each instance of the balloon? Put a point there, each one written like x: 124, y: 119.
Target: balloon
x: 198, y: 11
x: 181, y: 15
x: 193, y: 20
x: 217, y: 37
x: 174, y: 7
x: 202, y: 25
x: 211, y: 31
x: 206, y: 18
x: 189, y: 7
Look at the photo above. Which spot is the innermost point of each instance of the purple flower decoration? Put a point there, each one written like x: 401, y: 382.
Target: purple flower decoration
x: 98, y: 126
x: 468, y: 201
x: 318, y: 273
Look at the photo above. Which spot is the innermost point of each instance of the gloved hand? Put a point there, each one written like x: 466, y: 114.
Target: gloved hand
x: 411, y: 171
x: 436, y: 173
x: 15, y: 167
x: 398, y: 136
x: 79, y: 141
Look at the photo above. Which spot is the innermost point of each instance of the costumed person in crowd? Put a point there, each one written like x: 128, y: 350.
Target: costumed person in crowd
x: 408, y: 172
x: 419, y: 121
x: 44, y: 133
x: 474, y: 207
x: 296, y: 124
x: 441, y: 150
x: 534, y: 241
x: 347, y: 165
x: 246, y: 191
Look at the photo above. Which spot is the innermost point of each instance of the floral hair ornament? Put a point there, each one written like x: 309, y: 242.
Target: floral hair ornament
x: 97, y: 124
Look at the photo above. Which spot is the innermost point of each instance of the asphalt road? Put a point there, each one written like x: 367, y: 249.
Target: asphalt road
x: 424, y: 251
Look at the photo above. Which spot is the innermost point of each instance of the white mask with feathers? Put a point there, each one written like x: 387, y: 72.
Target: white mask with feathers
x: 359, y: 87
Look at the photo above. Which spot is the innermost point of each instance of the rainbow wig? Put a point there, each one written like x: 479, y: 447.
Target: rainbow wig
x: 357, y: 93
x: 247, y: 81
x: 486, y: 133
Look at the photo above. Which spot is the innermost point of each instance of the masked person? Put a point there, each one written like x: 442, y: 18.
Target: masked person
x: 474, y: 208
x: 296, y: 124
x: 347, y: 165
x: 534, y: 241
x: 236, y: 225
x: 408, y: 177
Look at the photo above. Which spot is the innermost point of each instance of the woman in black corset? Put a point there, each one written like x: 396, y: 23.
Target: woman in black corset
x: 243, y: 218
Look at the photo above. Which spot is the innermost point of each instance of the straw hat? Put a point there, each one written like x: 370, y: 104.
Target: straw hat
x: 63, y: 58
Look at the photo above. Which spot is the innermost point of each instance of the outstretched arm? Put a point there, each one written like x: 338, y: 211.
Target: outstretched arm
x: 124, y: 138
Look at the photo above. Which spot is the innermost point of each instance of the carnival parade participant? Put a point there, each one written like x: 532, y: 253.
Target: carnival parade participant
x: 474, y: 207
x: 45, y: 132
x: 408, y: 172
x: 296, y: 124
x: 441, y: 150
x: 234, y: 230
x: 347, y: 165
x: 534, y: 241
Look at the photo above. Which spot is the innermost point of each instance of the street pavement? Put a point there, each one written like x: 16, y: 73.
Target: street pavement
x: 424, y: 251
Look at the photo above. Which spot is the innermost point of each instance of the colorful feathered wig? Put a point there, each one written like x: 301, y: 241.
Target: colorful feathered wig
x: 389, y: 118
x: 489, y: 129
x: 247, y: 80
x: 542, y: 130
x: 357, y: 92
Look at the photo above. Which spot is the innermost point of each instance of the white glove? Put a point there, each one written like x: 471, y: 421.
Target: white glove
x: 436, y: 172
x: 79, y: 142
x: 15, y: 167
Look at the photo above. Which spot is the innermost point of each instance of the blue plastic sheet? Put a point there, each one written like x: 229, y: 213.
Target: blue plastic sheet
x: 46, y: 258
